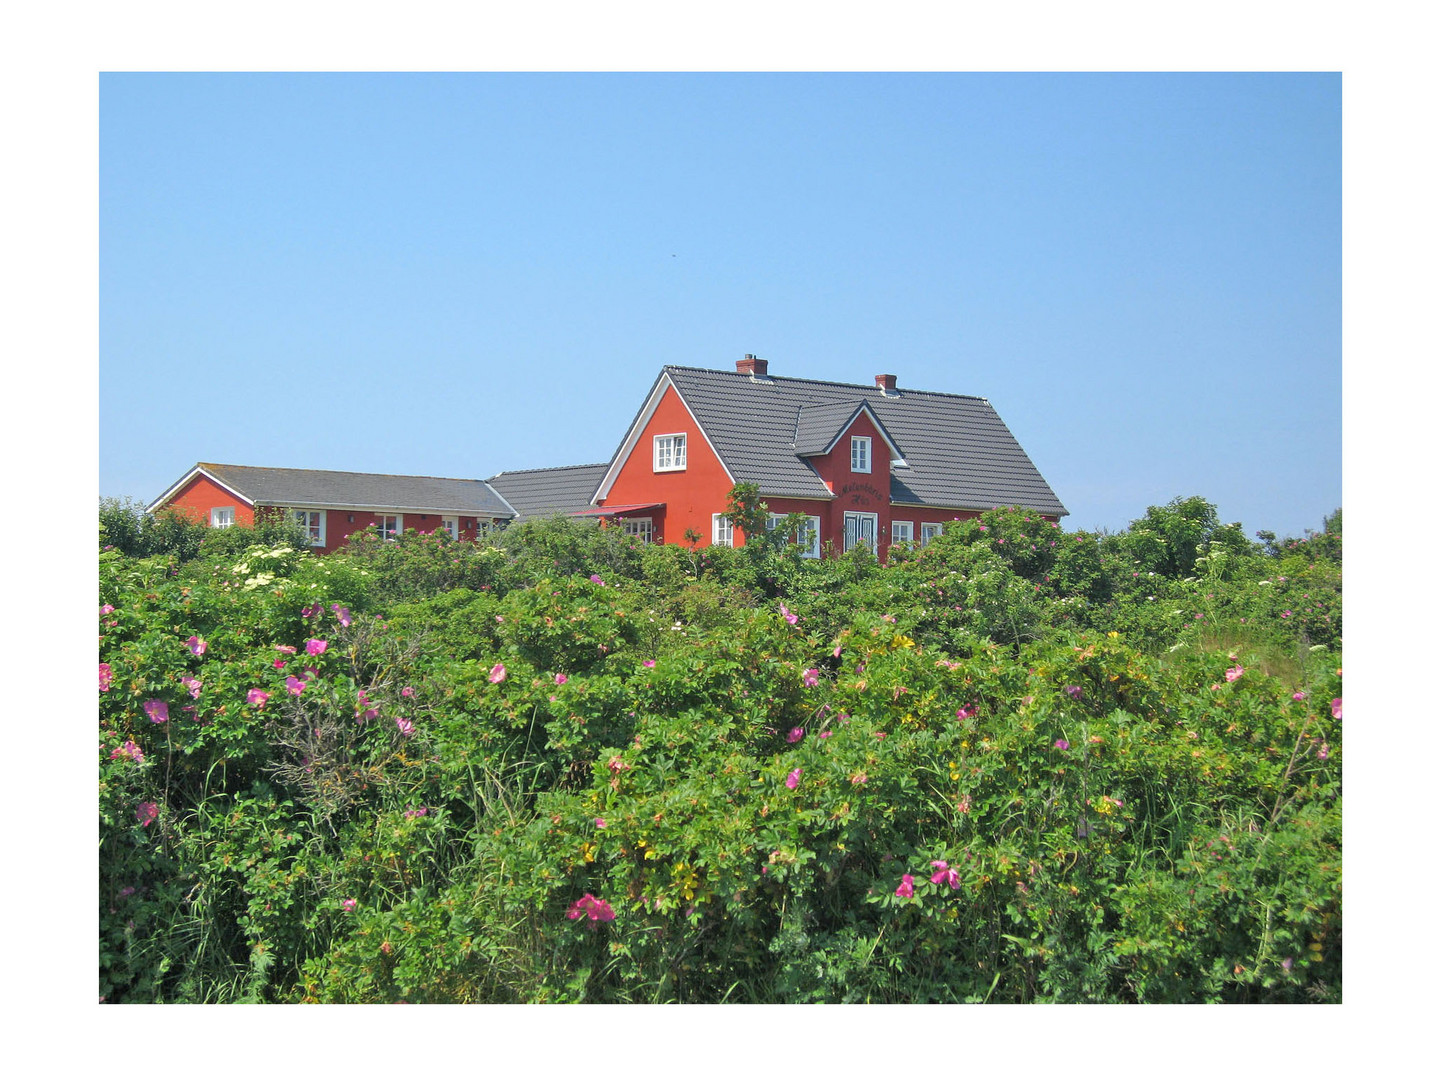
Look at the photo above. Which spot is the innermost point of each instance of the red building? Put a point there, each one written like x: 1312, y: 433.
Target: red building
x: 332, y: 505
x: 872, y: 465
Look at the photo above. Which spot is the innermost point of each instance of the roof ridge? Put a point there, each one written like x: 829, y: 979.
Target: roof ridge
x: 343, y: 472
x: 827, y: 382
x: 550, y: 468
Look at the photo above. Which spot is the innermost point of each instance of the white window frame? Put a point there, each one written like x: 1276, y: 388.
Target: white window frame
x: 721, y: 531
x: 907, y: 538
x: 315, y: 529
x: 644, y: 528
x: 808, y: 538
x: 929, y: 530
x: 859, y: 454
x: 386, y: 534
x: 671, y: 452
x: 451, y: 525
x: 860, y: 518
x: 222, y: 517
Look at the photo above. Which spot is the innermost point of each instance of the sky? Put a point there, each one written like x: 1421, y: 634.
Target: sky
x: 456, y: 275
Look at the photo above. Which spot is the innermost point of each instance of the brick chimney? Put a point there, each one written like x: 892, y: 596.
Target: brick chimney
x: 752, y: 365
x: 886, y: 385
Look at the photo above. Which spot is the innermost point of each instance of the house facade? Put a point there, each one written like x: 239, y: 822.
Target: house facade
x: 332, y: 505
x: 863, y: 465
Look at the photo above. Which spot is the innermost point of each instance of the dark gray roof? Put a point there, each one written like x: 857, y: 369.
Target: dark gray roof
x: 537, y: 493
x: 957, y: 450
x: 818, y: 426
x: 378, y: 491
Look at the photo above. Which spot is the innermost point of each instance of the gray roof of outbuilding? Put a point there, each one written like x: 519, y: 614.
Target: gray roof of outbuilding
x: 538, y: 493
x: 377, y: 491
x: 958, y: 452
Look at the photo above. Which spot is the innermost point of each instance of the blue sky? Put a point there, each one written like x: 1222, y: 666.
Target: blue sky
x: 459, y: 274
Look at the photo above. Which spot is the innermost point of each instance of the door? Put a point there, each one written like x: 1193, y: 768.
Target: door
x: 860, y: 529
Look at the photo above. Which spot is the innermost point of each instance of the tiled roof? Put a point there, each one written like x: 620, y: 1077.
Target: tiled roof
x: 377, y: 491
x: 537, y: 493
x: 957, y: 450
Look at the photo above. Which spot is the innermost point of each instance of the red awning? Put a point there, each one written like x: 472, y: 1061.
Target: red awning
x: 613, y: 511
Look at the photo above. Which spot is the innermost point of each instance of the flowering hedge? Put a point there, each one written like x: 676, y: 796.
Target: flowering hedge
x: 561, y: 768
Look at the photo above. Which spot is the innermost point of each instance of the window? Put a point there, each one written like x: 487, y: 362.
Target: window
x: 669, y: 453
x: 807, y: 539
x: 901, y: 532
x: 222, y: 517
x: 723, y: 531
x: 313, y: 522
x: 859, y: 453
x: 643, y: 528
x: 389, y: 525
x: 451, y: 526
x: 929, y: 530
x: 859, y: 529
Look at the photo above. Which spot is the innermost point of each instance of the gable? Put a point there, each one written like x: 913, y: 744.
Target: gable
x: 665, y: 411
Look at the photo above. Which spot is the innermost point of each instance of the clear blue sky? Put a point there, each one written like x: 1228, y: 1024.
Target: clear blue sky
x: 455, y: 275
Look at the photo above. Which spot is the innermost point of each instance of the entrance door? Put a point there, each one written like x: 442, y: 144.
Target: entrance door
x: 860, y: 529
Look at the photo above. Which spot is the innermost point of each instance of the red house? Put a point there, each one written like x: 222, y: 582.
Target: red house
x: 332, y: 505
x: 873, y: 465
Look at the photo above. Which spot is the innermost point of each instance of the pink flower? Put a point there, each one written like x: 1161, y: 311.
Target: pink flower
x: 561, y: 678
x: 499, y: 618
x: 105, y: 677
x: 906, y: 886
x: 315, y: 646
x: 649, y: 663
x: 308, y: 610
x: 1286, y: 614
x: 1233, y: 673
x: 289, y: 649
x: 1323, y: 754
x: 370, y: 714
x: 599, y: 823
x: 943, y: 875
x: 146, y: 812
x: 497, y: 673
x: 788, y: 616
x: 130, y: 751
x: 836, y: 652
x: 1061, y: 744
x: 415, y: 812
x: 825, y: 734
x: 105, y: 609
x: 406, y: 728
x: 350, y: 904
x: 257, y: 696
x: 792, y: 780
x: 811, y: 676
x: 192, y: 684
x: 795, y: 735
x: 1337, y: 707
x: 279, y: 665
x: 341, y: 613
x: 1299, y: 695
x: 966, y: 712
x: 157, y: 711
x: 294, y: 685
x: 196, y: 645
x: 1073, y: 691
x: 407, y: 691
x: 597, y: 579
x: 598, y: 910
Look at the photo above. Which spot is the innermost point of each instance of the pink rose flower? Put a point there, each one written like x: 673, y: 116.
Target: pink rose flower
x: 1337, y: 708
x: 943, y: 875
x: 290, y: 649
x: 1233, y: 673
x: 811, y: 676
x: 146, y: 813
x: 599, y: 823
x: 294, y: 685
x: 906, y: 887
x: 157, y: 711
x: 315, y: 646
x: 407, y: 691
x: 649, y: 663
x: 497, y: 673
x: 795, y: 735
x: 105, y: 609
x: 1061, y: 744
x: 196, y: 645
x: 257, y: 696
x: 1299, y: 695
x: 561, y: 678
x: 792, y: 780
x: 341, y: 613
x: 350, y: 904
x: 105, y: 677
x: 406, y: 728
x: 789, y: 616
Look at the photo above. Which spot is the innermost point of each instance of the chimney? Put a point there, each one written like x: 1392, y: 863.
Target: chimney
x: 886, y: 385
x: 752, y: 366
